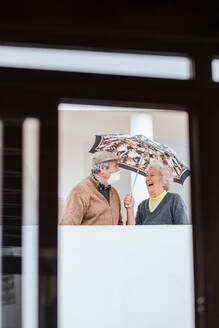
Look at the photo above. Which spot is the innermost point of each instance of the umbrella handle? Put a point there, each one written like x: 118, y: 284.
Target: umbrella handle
x: 126, y: 205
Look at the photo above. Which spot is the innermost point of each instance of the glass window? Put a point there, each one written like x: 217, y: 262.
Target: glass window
x: 120, y: 275
x: 215, y: 70
x: 172, y: 67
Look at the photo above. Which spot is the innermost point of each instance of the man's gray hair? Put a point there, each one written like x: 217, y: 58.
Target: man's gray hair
x: 96, y: 167
x: 165, y: 172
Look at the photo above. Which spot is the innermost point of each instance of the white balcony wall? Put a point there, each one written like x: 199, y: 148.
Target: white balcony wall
x: 125, y: 277
x: 120, y: 277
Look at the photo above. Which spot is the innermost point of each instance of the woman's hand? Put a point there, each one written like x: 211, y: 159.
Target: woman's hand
x: 129, y: 201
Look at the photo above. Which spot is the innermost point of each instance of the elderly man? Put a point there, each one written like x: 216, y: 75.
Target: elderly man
x: 93, y: 201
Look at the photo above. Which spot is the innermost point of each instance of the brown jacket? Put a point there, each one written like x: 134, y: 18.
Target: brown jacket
x: 87, y: 206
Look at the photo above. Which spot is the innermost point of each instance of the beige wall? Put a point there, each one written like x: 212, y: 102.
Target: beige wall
x: 170, y: 125
x: 77, y: 131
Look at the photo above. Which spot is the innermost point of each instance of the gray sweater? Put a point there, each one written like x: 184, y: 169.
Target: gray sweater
x: 171, y: 210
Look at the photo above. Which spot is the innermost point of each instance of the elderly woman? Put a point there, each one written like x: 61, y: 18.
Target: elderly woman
x: 162, y: 207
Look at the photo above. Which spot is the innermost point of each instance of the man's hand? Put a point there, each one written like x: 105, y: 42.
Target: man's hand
x: 129, y: 201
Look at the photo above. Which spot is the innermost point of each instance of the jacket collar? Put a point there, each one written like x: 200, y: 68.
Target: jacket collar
x: 100, y: 185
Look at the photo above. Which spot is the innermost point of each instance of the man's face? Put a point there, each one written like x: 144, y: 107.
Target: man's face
x: 113, y: 168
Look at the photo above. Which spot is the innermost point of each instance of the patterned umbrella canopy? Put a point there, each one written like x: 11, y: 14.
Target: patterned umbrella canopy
x: 138, y: 151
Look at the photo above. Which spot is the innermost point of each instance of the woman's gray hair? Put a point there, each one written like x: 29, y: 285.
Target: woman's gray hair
x: 165, y: 172
x: 96, y: 168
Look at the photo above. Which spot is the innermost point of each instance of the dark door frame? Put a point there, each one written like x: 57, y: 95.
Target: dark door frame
x: 35, y: 93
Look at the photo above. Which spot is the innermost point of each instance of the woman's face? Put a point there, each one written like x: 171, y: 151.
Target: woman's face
x: 153, y: 182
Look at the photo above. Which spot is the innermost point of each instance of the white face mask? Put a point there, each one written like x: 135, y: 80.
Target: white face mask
x: 114, y: 177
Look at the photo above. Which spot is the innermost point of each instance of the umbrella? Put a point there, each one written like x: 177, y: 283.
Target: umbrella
x: 137, y: 152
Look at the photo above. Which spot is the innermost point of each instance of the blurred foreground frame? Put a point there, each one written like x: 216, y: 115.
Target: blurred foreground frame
x: 146, y: 28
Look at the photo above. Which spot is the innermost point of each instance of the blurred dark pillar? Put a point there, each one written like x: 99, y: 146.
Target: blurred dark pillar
x: 48, y: 215
x: 11, y: 157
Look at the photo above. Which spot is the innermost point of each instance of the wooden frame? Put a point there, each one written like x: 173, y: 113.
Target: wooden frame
x: 32, y: 93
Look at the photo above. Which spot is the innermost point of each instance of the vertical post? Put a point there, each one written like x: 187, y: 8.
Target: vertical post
x: 202, y: 116
x: 30, y: 217
x: 12, y: 223
x: 48, y: 215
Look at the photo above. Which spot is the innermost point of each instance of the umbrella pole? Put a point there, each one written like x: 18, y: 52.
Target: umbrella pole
x: 136, y: 176
x: 133, y: 185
